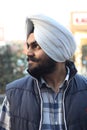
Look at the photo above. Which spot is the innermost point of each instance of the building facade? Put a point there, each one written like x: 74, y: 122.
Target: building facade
x: 78, y: 26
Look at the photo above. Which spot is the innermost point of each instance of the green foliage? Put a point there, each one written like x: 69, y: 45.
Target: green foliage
x: 12, y: 63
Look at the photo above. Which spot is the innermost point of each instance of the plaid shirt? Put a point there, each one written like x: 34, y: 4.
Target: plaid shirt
x: 52, y: 109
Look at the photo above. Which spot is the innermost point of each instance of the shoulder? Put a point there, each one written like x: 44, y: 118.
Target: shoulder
x: 80, y: 81
x: 81, y: 78
x: 20, y: 83
x: 78, y: 84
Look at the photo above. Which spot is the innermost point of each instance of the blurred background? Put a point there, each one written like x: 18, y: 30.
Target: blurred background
x: 13, y: 13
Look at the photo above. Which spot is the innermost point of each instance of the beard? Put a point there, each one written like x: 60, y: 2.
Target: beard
x: 45, y: 68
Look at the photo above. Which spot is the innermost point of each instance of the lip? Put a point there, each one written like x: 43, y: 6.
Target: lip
x: 30, y: 61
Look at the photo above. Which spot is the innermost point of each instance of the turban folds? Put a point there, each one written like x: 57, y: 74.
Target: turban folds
x: 54, y: 39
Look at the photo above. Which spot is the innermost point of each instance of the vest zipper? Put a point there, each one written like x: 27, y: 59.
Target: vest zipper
x: 64, y: 104
x: 41, y: 105
x: 64, y: 108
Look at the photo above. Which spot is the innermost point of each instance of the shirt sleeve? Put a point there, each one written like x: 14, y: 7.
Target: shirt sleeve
x: 5, y: 115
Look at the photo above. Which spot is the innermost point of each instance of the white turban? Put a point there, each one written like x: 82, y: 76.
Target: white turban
x: 54, y: 39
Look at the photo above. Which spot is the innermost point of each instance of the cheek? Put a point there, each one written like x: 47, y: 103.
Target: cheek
x: 44, y: 56
x: 44, y: 59
x: 40, y: 54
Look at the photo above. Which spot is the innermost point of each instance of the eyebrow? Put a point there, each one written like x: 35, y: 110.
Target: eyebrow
x: 34, y: 42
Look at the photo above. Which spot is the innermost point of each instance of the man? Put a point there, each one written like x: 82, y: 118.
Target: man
x: 53, y: 96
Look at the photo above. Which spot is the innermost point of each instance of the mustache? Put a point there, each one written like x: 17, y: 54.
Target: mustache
x: 32, y: 59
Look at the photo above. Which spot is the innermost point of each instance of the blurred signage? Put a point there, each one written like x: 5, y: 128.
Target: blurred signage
x: 79, y: 18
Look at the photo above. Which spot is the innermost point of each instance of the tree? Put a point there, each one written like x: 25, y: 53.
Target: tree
x: 12, y: 64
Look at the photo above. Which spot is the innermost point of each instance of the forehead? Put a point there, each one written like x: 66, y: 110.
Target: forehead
x: 31, y: 38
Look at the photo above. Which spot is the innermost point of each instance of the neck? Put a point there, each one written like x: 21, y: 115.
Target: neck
x: 56, y: 78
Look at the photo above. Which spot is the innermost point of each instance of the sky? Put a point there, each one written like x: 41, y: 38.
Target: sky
x: 13, y: 13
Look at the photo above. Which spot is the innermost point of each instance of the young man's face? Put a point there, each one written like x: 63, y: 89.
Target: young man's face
x: 39, y: 64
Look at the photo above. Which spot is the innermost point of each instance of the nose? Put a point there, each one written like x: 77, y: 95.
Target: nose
x: 30, y: 52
